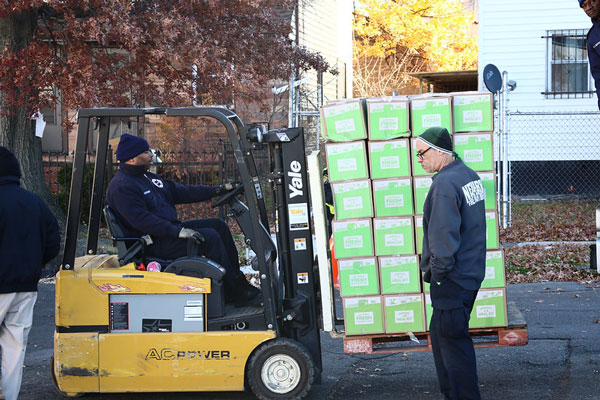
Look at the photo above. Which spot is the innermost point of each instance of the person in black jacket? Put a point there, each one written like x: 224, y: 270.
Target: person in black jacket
x: 453, y: 260
x: 144, y: 203
x: 592, y: 9
x: 29, y: 239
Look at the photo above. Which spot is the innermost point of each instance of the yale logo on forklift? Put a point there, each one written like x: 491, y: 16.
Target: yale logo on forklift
x: 167, y: 354
x: 296, y: 185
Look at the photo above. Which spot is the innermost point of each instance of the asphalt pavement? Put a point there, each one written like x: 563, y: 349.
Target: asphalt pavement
x: 561, y: 361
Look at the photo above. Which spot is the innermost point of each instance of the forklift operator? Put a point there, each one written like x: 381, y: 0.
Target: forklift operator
x: 144, y: 203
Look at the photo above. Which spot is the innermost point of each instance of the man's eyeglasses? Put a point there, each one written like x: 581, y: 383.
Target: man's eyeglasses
x: 420, y: 154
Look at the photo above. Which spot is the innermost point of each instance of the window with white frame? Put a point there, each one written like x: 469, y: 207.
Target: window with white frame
x: 568, y: 68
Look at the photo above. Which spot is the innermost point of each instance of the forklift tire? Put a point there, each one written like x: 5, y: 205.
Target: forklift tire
x: 280, y: 369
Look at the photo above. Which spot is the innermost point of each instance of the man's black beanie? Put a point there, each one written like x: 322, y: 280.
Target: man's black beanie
x: 130, y: 146
x: 9, y: 165
x: 438, y: 138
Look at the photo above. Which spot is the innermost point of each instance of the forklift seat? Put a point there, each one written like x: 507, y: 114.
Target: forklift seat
x: 129, y: 249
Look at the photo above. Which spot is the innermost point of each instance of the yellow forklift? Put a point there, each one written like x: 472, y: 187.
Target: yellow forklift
x: 119, y: 329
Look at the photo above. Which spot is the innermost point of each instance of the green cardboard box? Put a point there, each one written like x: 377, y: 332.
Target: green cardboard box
x: 393, y: 236
x: 429, y: 111
x: 422, y: 185
x: 494, y: 270
x: 488, y: 180
x: 388, y: 118
x: 352, y: 199
x: 417, y: 169
x: 428, y: 309
x: 358, y: 276
x: 393, y: 197
x: 347, y: 161
x: 353, y: 238
x: 344, y: 120
x: 489, y: 309
x: 404, y: 313
x: 363, y: 315
x: 399, y: 274
x: 419, y: 233
x: 475, y: 149
x: 389, y: 159
x: 473, y: 111
x: 491, y: 230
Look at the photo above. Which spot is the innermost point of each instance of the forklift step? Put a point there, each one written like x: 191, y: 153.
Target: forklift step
x: 515, y: 334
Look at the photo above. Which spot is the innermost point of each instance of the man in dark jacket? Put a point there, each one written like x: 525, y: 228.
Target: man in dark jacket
x: 592, y: 9
x: 29, y: 238
x: 453, y: 260
x: 144, y: 203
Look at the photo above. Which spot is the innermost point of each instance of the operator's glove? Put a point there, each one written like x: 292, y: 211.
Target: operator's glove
x: 187, y: 233
x: 225, y: 188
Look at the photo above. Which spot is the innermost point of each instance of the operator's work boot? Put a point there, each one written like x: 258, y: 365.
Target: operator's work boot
x: 247, y: 295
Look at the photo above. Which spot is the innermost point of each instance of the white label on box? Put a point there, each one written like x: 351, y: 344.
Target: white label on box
x: 344, y: 148
x: 332, y: 111
x: 490, y: 273
x: 429, y: 120
x: 364, y: 318
x: 394, y: 261
x: 376, y: 107
x: 353, y: 242
x: 473, y: 116
x: 485, y: 311
x: 388, y: 124
x: 471, y: 99
x: 422, y: 183
x: 493, y: 255
x: 298, y: 216
x: 394, y: 200
x: 345, y: 125
x: 475, y: 155
x: 389, y: 162
x: 353, y: 203
x: 393, y: 239
x: 404, y: 316
x: 399, y: 277
x: 347, y: 164
x: 358, y: 280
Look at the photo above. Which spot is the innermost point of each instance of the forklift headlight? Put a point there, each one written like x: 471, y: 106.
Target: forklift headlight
x: 255, y: 133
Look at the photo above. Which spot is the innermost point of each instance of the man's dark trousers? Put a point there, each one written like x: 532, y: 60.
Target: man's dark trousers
x: 219, y: 247
x: 453, y: 350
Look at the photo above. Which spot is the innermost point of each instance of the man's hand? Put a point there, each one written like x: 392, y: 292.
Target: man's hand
x: 187, y: 233
x: 225, y: 188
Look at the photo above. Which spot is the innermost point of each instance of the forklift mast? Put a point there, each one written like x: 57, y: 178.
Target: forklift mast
x: 289, y: 292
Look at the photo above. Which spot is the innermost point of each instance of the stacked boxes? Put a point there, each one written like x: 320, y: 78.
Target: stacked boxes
x: 379, y: 189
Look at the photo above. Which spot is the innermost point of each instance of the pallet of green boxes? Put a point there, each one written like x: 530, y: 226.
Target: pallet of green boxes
x: 379, y: 189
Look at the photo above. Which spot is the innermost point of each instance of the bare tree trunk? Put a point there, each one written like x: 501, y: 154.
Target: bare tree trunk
x: 16, y: 131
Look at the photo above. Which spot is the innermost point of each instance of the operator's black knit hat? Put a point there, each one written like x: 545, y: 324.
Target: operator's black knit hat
x: 9, y: 165
x: 131, y: 146
x: 438, y: 138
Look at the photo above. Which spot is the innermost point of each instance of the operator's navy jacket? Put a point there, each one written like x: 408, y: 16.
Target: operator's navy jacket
x: 29, y: 237
x: 593, y: 49
x: 145, y: 203
x: 454, y: 234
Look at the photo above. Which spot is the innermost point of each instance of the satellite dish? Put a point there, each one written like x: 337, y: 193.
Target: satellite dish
x: 492, y: 78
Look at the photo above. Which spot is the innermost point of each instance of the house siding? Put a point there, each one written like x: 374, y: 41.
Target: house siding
x: 512, y: 37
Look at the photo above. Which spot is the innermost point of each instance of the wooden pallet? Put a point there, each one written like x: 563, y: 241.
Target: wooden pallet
x: 515, y: 334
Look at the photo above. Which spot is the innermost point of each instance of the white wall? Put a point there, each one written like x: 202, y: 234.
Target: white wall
x: 511, y: 37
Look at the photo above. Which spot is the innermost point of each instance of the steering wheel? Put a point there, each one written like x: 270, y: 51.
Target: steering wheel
x: 227, y: 196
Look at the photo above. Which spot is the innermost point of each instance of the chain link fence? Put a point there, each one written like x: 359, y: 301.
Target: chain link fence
x: 554, y: 155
